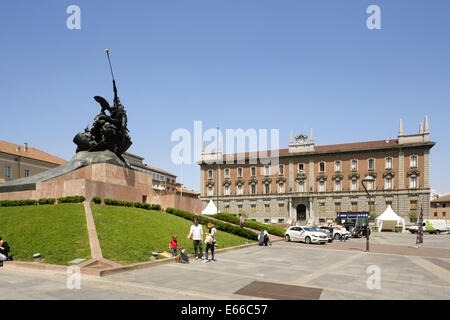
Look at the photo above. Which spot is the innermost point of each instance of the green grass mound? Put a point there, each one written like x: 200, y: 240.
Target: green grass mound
x: 130, y: 235
x: 277, y: 231
x: 57, y: 232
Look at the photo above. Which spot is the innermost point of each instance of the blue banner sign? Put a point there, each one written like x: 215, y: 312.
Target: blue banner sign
x: 352, y: 214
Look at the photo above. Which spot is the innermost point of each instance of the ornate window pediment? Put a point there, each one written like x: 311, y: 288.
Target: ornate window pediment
x: 353, y: 176
x: 239, y: 182
x: 210, y: 184
x: 253, y: 181
x: 413, y: 173
x: 301, y: 176
x: 338, y: 177
x: 266, y: 180
x: 227, y: 182
x: 321, y: 177
x: 281, y: 179
x: 389, y: 174
x: 372, y: 174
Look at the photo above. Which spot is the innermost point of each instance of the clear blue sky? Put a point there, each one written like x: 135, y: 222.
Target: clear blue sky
x: 285, y: 64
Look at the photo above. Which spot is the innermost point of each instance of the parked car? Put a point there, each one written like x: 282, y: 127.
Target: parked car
x: 305, y: 234
x: 327, y: 230
x: 431, y: 226
x: 337, y: 233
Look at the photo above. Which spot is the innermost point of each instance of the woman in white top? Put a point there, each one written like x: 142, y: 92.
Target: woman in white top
x: 210, y: 241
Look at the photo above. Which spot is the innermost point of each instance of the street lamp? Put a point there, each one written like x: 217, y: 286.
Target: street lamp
x: 367, y: 179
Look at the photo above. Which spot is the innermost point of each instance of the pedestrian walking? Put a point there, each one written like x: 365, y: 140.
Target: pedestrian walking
x: 210, y: 241
x: 196, y: 234
x: 241, y: 220
x: 173, y: 245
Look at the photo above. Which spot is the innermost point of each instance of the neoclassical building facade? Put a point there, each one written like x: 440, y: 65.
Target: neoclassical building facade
x: 312, y: 183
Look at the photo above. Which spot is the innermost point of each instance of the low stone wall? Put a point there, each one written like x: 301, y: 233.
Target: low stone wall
x: 106, y: 181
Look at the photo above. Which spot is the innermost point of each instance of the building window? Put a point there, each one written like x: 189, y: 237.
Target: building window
x: 413, y: 162
x: 413, y: 205
x: 321, y: 186
x: 443, y: 214
x: 253, y: 171
x: 435, y: 214
x: 337, y: 166
x: 227, y: 173
x: 354, y: 185
x: 227, y: 190
x: 239, y: 207
x: 210, y: 191
x: 354, y: 206
x: 337, y: 185
x: 337, y: 207
x: 371, y: 206
x: 301, y: 186
x: 267, y: 188
x: 369, y: 185
x: 240, y: 190
x: 388, y: 183
x: 7, y: 172
x: 266, y: 220
x: 267, y: 208
x: 253, y: 189
x: 354, y: 164
x: 413, y: 182
x: 280, y: 220
x: 281, y: 169
x: 322, y: 166
x: 267, y: 170
x: 253, y: 208
x: 281, y: 188
x: 321, y: 207
x: 281, y: 208
x: 388, y: 163
x: 210, y: 176
x: 388, y: 203
x: 239, y: 172
x: 27, y: 173
x: 301, y: 167
x: 227, y: 208
x: 371, y: 164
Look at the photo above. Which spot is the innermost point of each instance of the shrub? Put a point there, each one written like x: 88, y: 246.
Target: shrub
x: 47, y: 201
x: 413, y: 216
x: 373, y: 216
x: 142, y: 205
x: 277, y: 231
x: 156, y: 207
x: 219, y: 225
x: 120, y: 203
x: 14, y: 203
x: 71, y: 199
x: 97, y: 200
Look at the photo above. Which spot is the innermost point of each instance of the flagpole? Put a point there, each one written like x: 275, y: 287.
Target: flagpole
x: 217, y: 173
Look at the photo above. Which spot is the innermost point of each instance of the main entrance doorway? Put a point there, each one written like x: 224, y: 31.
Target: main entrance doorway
x: 301, y: 213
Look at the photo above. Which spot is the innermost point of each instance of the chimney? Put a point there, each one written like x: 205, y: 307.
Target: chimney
x: 291, y: 140
x: 25, y: 145
x: 421, y: 128
x: 18, y: 149
x: 400, y: 128
x: 311, y: 137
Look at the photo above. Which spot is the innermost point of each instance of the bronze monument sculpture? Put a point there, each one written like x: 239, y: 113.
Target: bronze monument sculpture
x: 108, y: 132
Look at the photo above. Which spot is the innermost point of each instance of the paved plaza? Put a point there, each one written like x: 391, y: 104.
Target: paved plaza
x: 332, y: 271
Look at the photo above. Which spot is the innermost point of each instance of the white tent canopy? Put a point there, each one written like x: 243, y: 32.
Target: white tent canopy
x: 210, y: 209
x: 388, y: 220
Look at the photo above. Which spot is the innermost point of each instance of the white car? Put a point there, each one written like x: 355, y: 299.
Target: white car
x: 305, y: 234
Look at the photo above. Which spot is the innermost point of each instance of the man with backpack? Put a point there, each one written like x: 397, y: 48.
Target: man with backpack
x: 4, y: 250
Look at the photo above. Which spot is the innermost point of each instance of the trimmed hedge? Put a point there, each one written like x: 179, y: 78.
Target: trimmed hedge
x: 47, y: 201
x: 277, y: 231
x: 140, y: 205
x: 71, y: 199
x: 97, y: 200
x: 218, y: 224
x: 15, y: 203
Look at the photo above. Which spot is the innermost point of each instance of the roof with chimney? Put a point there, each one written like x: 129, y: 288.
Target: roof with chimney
x: 27, y: 152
